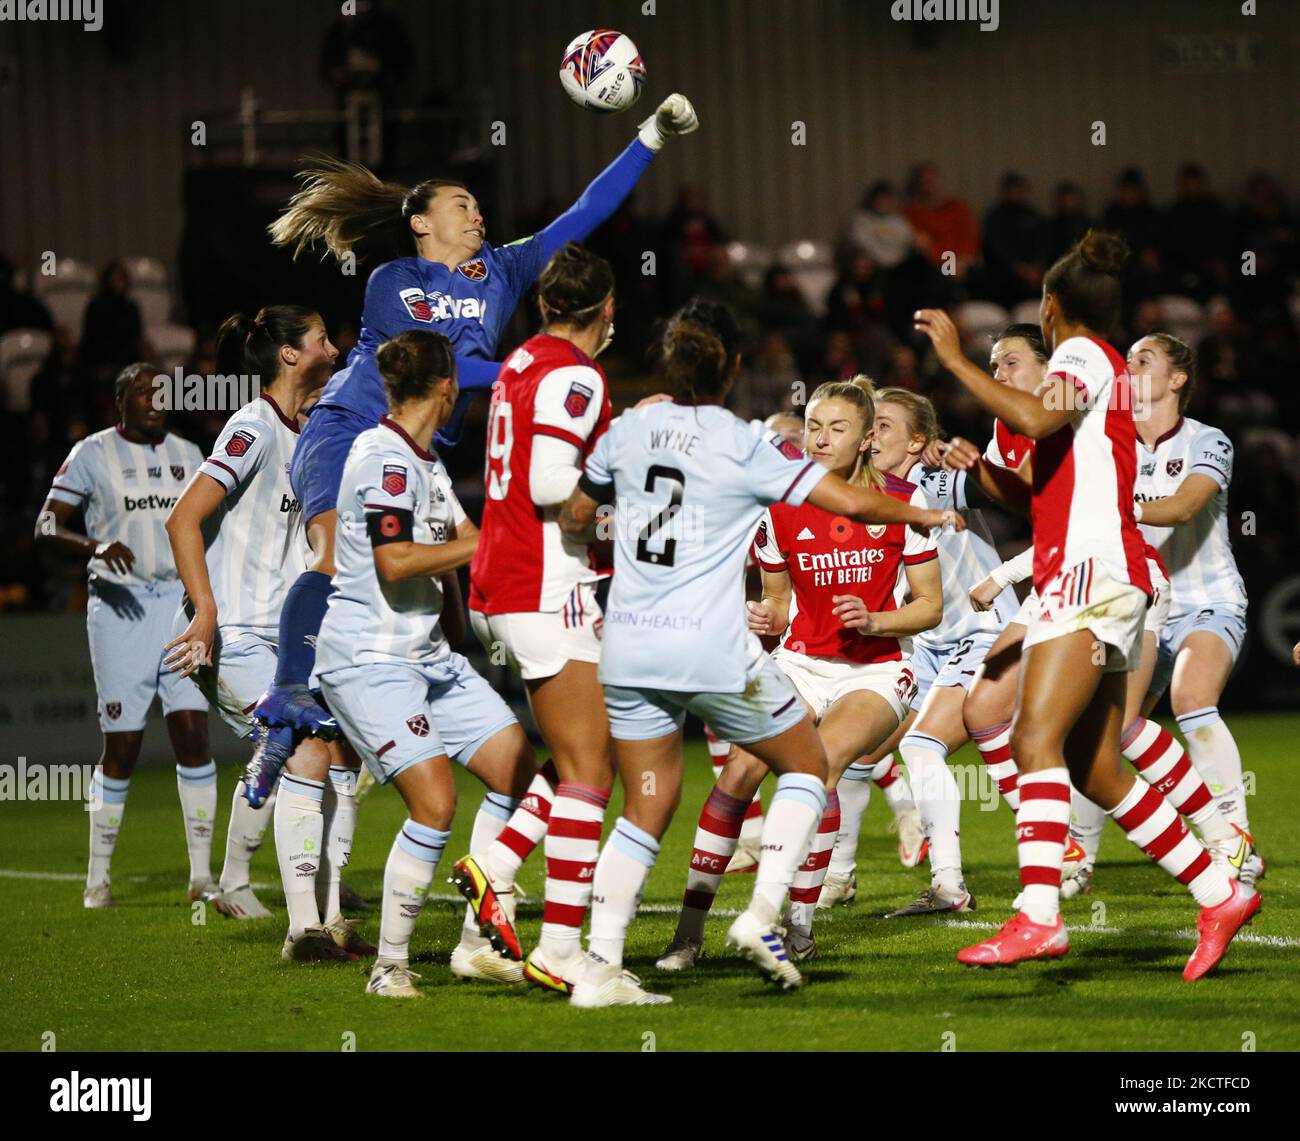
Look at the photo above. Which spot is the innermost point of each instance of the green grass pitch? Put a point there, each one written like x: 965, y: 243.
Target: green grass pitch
x: 146, y: 976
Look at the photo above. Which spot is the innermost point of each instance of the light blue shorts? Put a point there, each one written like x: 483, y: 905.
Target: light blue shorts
x: 395, y: 714
x: 128, y: 628
x: 1228, y: 623
x: 955, y: 663
x: 769, y: 706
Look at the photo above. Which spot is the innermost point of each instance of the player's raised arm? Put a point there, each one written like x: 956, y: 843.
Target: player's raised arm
x: 605, y: 193
x: 1035, y: 415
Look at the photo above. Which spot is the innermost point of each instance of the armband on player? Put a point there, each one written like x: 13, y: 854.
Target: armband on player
x: 390, y: 525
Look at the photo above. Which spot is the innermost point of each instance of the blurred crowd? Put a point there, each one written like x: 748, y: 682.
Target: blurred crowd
x: 1221, y: 272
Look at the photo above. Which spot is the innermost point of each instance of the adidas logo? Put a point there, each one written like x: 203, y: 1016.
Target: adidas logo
x: 531, y: 804
x: 806, y: 533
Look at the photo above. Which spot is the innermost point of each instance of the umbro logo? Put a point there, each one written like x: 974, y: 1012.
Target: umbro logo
x: 806, y: 533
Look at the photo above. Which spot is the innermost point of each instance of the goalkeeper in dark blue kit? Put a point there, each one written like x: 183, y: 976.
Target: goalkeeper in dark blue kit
x: 456, y: 283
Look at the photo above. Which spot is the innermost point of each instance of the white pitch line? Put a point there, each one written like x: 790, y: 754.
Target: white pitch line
x: 1186, y: 933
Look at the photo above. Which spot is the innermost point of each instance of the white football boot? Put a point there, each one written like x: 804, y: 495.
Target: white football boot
x: 392, y: 979
x: 97, y: 896
x: 837, y: 890
x: 603, y: 984
x: 485, y: 964
x: 548, y: 973
x: 239, y: 903
x: 745, y: 857
x: 912, y: 844
x: 763, y: 944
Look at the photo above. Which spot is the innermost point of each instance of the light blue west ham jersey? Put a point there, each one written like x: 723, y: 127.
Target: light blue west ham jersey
x: 1198, y: 555
x: 369, y: 620
x: 690, y: 486
x: 966, y: 559
x: 256, y: 543
x: 126, y: 491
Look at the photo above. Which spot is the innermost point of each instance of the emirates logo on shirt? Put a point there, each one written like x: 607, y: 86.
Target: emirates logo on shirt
x: 1173, y: 467
x: 419, y: 725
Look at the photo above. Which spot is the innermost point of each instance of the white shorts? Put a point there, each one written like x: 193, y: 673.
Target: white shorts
x: 395, y: 714
x: 127, y: 628
x: 1227, y: 623
x: 823, y: 681
x: 1025, y: 614
x: 540, y: 644
x: 1086, y: 597
x: 955, y: 663
x: 243, y: 667
x: 1158, y: 611
x: 768, y: 706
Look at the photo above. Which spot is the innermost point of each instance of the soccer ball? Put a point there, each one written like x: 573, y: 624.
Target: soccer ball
x: 602, y: 71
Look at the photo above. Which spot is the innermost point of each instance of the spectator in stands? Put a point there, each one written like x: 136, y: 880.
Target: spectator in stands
x: 856, y: 305
x: 904, y: 370
x: 19, y: 309
x: 1226, y: 363
x: 1013, y: 244
x: 1068, y: 223
x: 691, y: 235
x: 623, y: 241
x: 721, y: 281
x: 1130, y: 213
x: 768, y: 380
x: 840, y: 358
x: 879, y: 227
x: 943, y: 223
x: 782, y: 308
x: 1197, y: 236
x: 112, y: 331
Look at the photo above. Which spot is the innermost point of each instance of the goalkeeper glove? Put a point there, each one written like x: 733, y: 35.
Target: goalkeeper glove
x: 675, y: 116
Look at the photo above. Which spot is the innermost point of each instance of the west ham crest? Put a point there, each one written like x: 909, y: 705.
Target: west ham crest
x: 475, y: 270
x: 113, y: 709
x: 419, y: 725
x: 1173, y: 467
x: 178, y: 471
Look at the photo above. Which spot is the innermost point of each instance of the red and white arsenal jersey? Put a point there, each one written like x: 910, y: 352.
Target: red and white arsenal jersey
x: 1084, y: 472
x: 547, y: 387
x: 1008, y: 449
x: 827, y: 555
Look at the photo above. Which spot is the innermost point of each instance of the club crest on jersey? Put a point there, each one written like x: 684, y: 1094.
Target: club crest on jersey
x: 575, y: 404
x: 178, y: 471
x: 417, y: 305
x: 419, y: 725
x: 113, y: 709
x: 787, y: 449
x: 475, y: 270
x: 240, y: 442
x: 877, y: 532
x: 394, y: 479
x: 761, y: 539
x: 1173, y: 467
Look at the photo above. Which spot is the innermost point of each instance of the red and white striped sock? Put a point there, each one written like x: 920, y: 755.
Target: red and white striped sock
x: 1150, y: 822
x: 808, y: 880
x: 994, y: 744
x: 716, y: 837
x: 572, y: 848
x: 525, y: 829
x: 1042, y: 828
x: 719, y: 751
x: 1158, y: 756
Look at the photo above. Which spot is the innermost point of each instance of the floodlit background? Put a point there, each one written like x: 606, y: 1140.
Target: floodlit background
x: 148, y: 157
